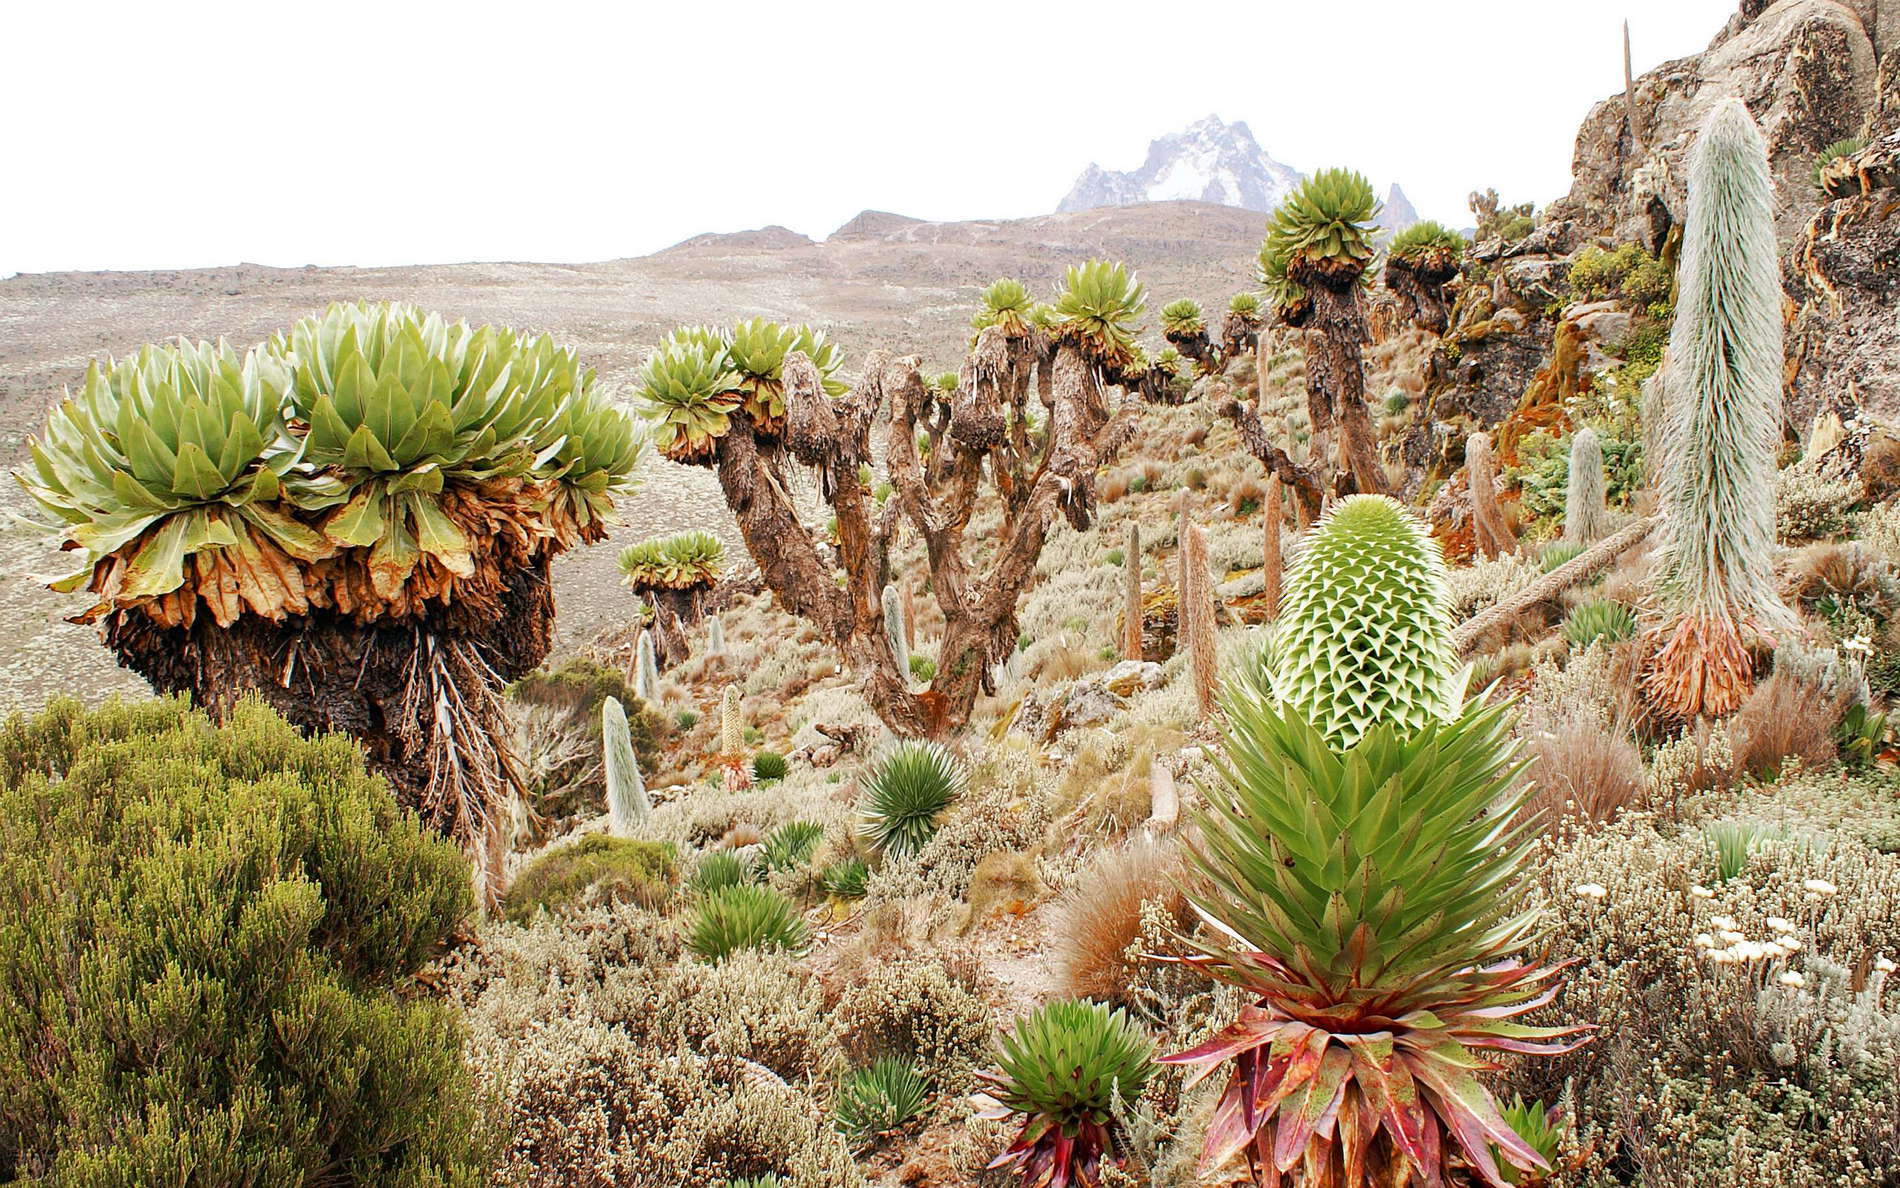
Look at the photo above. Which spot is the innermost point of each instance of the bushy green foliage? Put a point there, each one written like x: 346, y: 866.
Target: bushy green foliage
x: 596, y: 869
x: 1324, y: 228
x: 769, y: 765
x: 1833, y: 153
x: 845, y: 879
x: 922, y: 668
x: 1006, y: 304
x: 719, y: 870
x: 745, y: 916
x: 1362, y: 635
x: 881, y: 1097
x: 1495, y: 220
x: 1542, y: 472
x: 211, y: 936
x: 1557, y: 553
x: 1063, y: 1070
x: 791, y: 844
x: 906, y: 793
x: 1611, y: 622
x: 1425, y: 239
x: 1625, y: 271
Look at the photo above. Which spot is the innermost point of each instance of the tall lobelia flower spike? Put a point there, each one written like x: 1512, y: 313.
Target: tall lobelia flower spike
x: 1131, y: 594
x: 1361, y: 841
x: 1363, y: 634
x: 1722, y: 412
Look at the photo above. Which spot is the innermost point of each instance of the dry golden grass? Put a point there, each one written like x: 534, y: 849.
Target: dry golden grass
x: 1584, y: 771
x: 1098, y: 920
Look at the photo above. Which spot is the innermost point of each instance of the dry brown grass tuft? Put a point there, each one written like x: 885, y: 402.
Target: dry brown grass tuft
x: 1786, y: 718
x: 1097, y: 922
x: 1586, y: 771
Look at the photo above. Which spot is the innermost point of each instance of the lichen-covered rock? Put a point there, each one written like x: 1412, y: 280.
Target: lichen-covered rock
x: 1844, y: 342
x: 1808, y: 71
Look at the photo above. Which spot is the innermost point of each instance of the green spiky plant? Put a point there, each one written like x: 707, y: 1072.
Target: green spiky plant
x: 768, y: 766
x: 1182, y: 317
x: 745, y: 916
x: 689, y: 391
x: 1429, y: 245
x: 884, y: 1096
x: 848, y: 878
x: 1721, y: 423
x: 906, y: 793
x: 676, y: 562
x: 1588, y: 622
x: 1363, y: 836
x: 1543, y: 1128
x: 1370, y: 573
x: 1097, y: 309
x: 373, y: 472
x: 1063, y: 1070
x: 1423, y: 258
x: 1246, y: 306
x: 718, y: 870
x: 1586, y: 514
x: 756, y: 351
x: 1006, y: 305
x: 1558, y: 553
x: 1314, y: 266
x: 1831, y: 154
x: 792, y: 844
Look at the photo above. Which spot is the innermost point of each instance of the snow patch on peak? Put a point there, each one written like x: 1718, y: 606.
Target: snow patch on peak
x: 1209, y: 161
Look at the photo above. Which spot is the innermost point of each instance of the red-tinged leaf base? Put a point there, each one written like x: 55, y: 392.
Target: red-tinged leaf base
x: 1395, y: 1101
x: 1045, y: 1157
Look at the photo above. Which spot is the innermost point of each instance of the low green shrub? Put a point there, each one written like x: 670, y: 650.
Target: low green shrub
x: 746, y: 916
x: 922, y: 668
x: 1611, y: 622
x: 791, y: 844
x: 882, y: 1097
x: 906, y: 794
x: 769, y: 765
x: 593, y: 870
x: 209, y: 939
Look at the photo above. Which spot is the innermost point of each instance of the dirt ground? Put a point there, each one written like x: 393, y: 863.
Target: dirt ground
x: 881, y: 281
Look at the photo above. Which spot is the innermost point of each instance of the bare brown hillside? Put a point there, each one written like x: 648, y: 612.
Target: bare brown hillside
x: 885, y: 281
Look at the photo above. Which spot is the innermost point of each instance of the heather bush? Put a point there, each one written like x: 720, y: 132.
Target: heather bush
x: 593, y: 869
x: 211, y: 941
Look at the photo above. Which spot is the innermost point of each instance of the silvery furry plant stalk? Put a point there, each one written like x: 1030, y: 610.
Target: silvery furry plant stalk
x: 627, y: 803
x: 646, y: 671
x: 1722, y: 412
x: 1586, y: 517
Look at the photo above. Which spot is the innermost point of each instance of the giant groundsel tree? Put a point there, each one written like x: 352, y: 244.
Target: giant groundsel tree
x: 354, y: 520
x: 1362, y: 836
x: 1030, y: 415
x: 1721, y: 416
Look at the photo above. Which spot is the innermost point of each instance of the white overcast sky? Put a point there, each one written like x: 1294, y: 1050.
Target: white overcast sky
x: 174, y: 135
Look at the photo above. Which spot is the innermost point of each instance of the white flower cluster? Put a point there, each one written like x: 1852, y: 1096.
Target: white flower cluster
x: 1727, y: 944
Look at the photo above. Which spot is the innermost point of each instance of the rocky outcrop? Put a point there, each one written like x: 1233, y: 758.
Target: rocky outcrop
x: 1808, y: 70
x: 1396, y: 213
x: 1844, y: 339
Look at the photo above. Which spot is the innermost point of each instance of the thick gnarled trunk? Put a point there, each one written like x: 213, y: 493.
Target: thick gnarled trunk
x: 935, y: 490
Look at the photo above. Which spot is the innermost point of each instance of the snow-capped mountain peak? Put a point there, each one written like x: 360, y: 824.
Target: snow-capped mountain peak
x: 1212, y: 161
